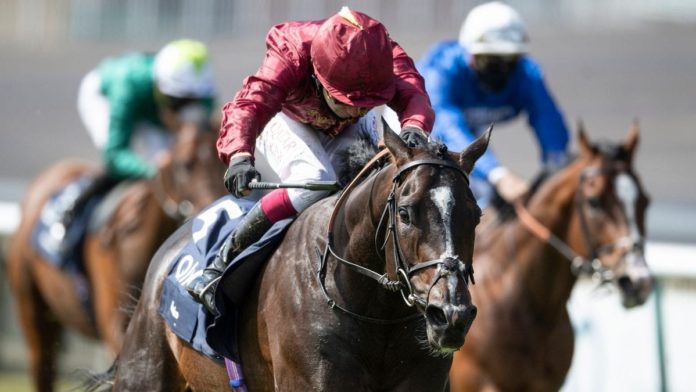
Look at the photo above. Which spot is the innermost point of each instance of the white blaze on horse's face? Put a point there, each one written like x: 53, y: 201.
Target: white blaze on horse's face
x: 627, y: 192
x: 444, y: 200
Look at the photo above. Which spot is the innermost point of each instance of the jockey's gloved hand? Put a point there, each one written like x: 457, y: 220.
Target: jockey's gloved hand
x: 414, y: 137
x: 509, y: 186
x: 239, y: 174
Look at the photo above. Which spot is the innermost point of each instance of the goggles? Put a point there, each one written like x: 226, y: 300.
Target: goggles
x: 483, y: 61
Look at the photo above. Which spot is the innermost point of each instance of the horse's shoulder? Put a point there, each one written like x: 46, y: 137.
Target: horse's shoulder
x: 317, y: 214
x: 311, y: 225
x: 163, y: 259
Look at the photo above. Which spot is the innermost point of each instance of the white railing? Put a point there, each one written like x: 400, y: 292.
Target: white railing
x: 650, y: 348
x: 9, y: 218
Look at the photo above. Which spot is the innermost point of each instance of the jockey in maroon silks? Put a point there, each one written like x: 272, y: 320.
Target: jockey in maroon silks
x: 322, y: 85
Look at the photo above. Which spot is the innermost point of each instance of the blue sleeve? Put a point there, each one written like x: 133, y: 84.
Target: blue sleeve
x: 450, y: 123
x: 547, y: 121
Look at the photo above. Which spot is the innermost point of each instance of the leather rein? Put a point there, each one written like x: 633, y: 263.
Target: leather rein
x: 403, y: 270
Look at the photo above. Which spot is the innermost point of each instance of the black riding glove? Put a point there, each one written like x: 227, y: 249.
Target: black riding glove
x: 414, y: 137
x: 239, y: 175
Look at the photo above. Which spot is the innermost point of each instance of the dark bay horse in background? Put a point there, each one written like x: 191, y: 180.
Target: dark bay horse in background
x: 409, y: 225
x: 116, y: 255
x: 594, y: 211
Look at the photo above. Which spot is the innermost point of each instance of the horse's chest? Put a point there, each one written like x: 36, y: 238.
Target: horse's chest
x: 522, y: 353
x: 383, y: 357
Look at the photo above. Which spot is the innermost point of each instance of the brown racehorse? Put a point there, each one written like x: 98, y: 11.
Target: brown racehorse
x: 116, y: 255
x: 523, y: 339
x: 409, y: 226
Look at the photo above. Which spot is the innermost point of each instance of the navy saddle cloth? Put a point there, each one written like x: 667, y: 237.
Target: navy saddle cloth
x: 215, y: 337
x: 49, y: 236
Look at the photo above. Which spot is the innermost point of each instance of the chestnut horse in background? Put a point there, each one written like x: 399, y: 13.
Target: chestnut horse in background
x: 408, y: 227
x: 587, y: 217
x: 116, y: 255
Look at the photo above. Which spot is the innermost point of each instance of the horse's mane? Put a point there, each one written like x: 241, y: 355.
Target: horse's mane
x: 363, y: 149
x: 355, y: 158
x: 612, y: 150
x: 506, y: 211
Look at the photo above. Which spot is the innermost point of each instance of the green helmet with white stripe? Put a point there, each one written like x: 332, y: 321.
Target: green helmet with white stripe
x: 182, y: 70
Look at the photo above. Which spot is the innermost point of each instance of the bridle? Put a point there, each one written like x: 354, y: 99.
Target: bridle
x: 185, y: 208
x: 404, y: 271
x: 177, y: 210
x: 579, y: 265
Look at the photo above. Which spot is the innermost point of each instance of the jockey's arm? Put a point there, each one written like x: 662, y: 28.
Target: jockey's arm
x: 548, y: 124
x: 120, y: 161
x: 451, y: 126
x: 260, y: 98
x: 410, y: 101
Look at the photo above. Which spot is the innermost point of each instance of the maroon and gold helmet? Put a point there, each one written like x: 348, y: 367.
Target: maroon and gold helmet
x: 352, y: 58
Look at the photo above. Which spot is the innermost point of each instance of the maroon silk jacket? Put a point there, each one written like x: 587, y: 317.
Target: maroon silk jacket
x: 285, y: 82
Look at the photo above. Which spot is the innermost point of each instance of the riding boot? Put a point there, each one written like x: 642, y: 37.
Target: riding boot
x: 98, y: 186
x: 252, y: 227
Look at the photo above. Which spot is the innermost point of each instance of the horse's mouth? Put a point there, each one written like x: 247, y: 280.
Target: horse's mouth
x: 634, y: 294
x: 446, y: 333
x: 632, y: 299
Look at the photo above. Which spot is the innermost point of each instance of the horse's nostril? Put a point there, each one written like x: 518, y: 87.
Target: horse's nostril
x: 471, y: 312
x: 435, y: 315
x: 624, y: 283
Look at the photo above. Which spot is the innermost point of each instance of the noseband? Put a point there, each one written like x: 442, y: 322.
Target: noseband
x: 404, y: 270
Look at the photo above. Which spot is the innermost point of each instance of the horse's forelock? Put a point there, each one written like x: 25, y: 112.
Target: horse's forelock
x: 438, y: 150
x: 613, y: 151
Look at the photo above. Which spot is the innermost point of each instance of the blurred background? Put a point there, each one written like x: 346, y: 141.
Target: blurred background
x: 607, y: 62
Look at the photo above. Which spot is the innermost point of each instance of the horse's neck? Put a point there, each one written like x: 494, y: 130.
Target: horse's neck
x: 356, y: 237
x: 543, y: 276
x: 362, y: 214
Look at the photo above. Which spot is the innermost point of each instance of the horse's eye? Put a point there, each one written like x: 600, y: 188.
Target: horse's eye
x: 404, y: 215
x: 594, y: 202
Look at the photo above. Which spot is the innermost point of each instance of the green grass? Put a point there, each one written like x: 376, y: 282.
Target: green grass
x: 20, y: 382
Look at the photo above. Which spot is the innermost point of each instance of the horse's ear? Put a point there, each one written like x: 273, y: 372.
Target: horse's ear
x: 468, y: 157
x: 396, y: 146
x: 631, y: 141
x: 583, y: 141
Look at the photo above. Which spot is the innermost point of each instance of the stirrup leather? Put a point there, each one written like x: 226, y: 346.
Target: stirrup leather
x: 209, y: 286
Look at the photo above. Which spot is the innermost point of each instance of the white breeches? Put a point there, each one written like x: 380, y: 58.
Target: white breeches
x: 289, y: 151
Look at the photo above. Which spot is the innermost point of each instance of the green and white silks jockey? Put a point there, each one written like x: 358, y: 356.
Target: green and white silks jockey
x: 123, y: 100
x: 124, y: 104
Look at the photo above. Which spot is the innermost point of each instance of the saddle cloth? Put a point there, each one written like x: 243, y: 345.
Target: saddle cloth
x: 48, y: 236
x: 63, y: 247
x: 215, y: 337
